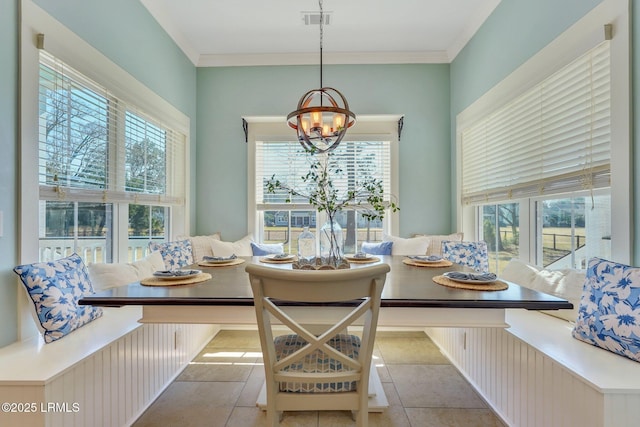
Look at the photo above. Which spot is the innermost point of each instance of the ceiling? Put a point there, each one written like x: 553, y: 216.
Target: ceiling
x: 273, y: 32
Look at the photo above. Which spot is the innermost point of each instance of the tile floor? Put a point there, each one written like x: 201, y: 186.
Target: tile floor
x: 220, y: 387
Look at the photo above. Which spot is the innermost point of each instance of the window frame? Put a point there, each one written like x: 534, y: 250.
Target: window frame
x: 71, y: 49
x: 273, y: 128
x: 582, y: 36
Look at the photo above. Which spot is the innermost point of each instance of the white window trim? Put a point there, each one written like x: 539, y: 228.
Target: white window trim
x: 583, y: 35
x: 70, y: 48
x: 367, y: 128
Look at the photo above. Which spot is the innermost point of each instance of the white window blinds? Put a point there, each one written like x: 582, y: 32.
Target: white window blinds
x: 554, y: 138
x: 288, y: 161
x: 95, y: 147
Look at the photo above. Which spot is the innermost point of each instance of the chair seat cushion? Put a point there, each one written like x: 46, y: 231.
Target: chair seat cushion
x: 317, y: 362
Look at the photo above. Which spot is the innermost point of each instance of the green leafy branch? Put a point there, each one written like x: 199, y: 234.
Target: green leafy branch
x: 325, y: 196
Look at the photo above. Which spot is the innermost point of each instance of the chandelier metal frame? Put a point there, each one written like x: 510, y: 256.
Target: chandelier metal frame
x: 308, y: 120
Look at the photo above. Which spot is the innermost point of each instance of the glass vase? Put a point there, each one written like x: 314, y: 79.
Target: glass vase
x: 331, y: 242
x: 306, y: 245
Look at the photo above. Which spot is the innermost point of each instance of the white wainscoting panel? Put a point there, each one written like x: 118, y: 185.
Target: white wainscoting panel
x: 527, y: 388
x: 115, y: 384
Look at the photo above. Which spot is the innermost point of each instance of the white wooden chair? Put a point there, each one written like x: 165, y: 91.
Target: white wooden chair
x: 326, y: 369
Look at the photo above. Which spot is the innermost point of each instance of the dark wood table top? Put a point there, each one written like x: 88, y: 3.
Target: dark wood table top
x: 406, y: 286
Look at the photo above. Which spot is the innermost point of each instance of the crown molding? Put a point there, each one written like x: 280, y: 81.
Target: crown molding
x: 347, y: 58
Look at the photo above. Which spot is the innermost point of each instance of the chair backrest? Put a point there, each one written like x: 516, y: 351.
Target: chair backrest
x: 278, y: 294
x: 470, y: 254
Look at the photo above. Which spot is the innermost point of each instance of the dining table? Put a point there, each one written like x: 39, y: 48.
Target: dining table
x: 411, y: 298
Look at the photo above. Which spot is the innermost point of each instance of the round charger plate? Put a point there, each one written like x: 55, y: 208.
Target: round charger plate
x: 220, y: 264
x: 274, y: 260
x: 359, y: 260
x: 219, y: 261
x: 497, y: 285
x: 185, y: 275
x: 441, y: 263
x: 157, y: 281
x: 469, y: 281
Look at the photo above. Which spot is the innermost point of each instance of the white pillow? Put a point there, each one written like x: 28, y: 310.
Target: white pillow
x: 105, y: 276
x: 412, y: 246
x: 149, y: 265
x: 200, y: 245
x: 240, y: 247
x: 435, y: 241
x: 566, y: 283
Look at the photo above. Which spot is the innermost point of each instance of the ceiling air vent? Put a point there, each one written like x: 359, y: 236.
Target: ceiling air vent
x: 313, y: 18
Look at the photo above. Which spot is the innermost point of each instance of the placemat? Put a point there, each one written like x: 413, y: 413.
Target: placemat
x: 156, y: 281
x: 443, y: 263
x: 278, y: 261
x: 493, y: 286
x: 363, y: 260
x: 229, y: 264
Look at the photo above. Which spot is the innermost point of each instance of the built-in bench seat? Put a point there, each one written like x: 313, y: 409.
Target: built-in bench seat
x: 534, y: 373
x: 105, y: 373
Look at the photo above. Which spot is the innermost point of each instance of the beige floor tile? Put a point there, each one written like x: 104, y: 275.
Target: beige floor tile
x: 215, y: 372
x: 445, y: 417
x: 428, y: 386
x: 394, y: 415
x: 236, y: 339
x: 221, y: 386
x: 228, y: 355
x: 299, y: 419
x: 247, y: 417
x: 192, y: 404
x: 252, y: 387
x: 409, y: 348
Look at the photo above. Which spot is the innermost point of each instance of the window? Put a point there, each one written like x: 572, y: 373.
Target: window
x: 102, y: 160
x: 574, y: 229
x: 500, y: 228
x: 274, y: 218
x: 542, y: 172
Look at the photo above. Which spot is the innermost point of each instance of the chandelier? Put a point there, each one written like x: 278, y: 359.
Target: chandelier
x: 322, y: 116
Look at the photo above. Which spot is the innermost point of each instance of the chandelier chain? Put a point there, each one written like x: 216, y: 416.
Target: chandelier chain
x: 321, y: 37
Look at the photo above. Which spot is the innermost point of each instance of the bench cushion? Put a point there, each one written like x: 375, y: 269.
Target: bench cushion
x: 609, y: 313
x: 565, y: 283
x: 55, y: 288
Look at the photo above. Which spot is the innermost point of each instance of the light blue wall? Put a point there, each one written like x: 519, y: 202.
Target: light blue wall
x: 123, y: 31
x: 515, y: 31
x: 420, y: 92
x: 9, y: 169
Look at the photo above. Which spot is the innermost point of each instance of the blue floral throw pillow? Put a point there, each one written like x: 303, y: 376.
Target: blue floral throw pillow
x: 470, y: 254
x: 175, y: 254
x: 609, y: 312
x: 382, y: 248
x: 55, y: 288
